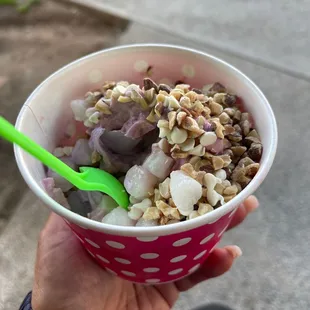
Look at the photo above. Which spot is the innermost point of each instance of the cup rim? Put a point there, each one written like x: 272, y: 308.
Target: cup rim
x: 154, y: 230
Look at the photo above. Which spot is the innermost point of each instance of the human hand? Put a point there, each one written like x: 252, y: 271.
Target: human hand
x: 66, y: 278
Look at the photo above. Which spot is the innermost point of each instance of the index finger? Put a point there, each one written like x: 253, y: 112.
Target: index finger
x: 247, y: 207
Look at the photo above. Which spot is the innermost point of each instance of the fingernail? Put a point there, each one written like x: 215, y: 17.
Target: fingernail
x: 234, y: 250
x: 251, y: 203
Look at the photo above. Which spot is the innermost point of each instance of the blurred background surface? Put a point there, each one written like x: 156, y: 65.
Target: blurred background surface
x: 268, y: 41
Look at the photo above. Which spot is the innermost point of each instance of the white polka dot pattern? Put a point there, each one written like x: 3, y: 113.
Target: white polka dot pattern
x: 182, y: 242
x: 206, y: 239
x: 153, y: 258
x: 141, y: 66
x: 122, y: 261
x: 213, y: 248
x: 91, y: 253
x: 233, y: 212
x: 214, y: 221
x: 128, y: 273
x: 165, y: 81
x: 152, y: 280
x: 79, y: 237
x: 147, y: 239
x: 95, y: 245
x: 195, y: 268
x: 111, y: 271
x: 151, y: 269
x: 200, y: 254
x: 115, y: 245
x: 176, y: 271
x: 83, y: 227
x: 103, y: 259
x: 149, y: 255
x: 178, y: 259
x: 95, y: 76
x: 188, y: 71
x: 222, y: 232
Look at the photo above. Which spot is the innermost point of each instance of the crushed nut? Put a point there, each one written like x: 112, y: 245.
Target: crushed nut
x: 204, y: 208
x: 219, y: 97
x: 253, y: 133
x: 235, y: 137
x: 151, y: 213
x: 226, y: 158
x: 245, y: 162
x: 214, y: 88
x: 217, y: 162
x: 230, y: 111
x: 198, y: 107
x: 237, y: 116
x: 183, y: 87
x: 179, y: 155
x: 95, y: 157
x: 216, y: 108
x: 219, y: 128
x: 149, y: 95
x: 92, y: 97
x: 231, y: 190
x: 149, y: 84
x: 178, y: 135
x: 181, y: 117
x: 238, y: 150
x: 229, y: 100
x: 248, y: 140
x: 200, y: 176
x: 192, y: 96
x: 164, y: 132
x: 163, y: 220
x: 251, y: 170
x: 172, y: 119
x: 163, y: 207
x: 245, y: 126
x: 152, y: 117
x: 189, y: 170
x: 208, y: 138
x: 193, y: 215
x: 174, y: 213
x: 229, y: 130
x: 164, y: 188
x: 228, y: 197
x: 185, y: 102
x: 191, y: 125
x: 108, y: 85
x: 221, y: 174
x: 173, y: 103
x: 219, y: 188
x: 164, y: 87
x: 177, y: 94
x: 198, y: 150
x: 188, y: 145
x: 159, y: 107
x: 206, y: 130
x: 255, y: 151
x: 224, y: 118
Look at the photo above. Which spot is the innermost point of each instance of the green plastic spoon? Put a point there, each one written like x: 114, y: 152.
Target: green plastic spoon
x: 89, y: 179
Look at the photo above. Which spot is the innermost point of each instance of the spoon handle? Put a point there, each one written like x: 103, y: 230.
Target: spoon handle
x: 8, y: 132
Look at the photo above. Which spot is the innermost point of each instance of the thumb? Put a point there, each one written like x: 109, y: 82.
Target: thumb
x: 218, y: 262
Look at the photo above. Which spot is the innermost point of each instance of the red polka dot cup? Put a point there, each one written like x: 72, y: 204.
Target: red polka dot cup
x: 140, y: 254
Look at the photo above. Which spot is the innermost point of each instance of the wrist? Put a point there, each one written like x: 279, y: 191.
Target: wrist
x: 26, y: 304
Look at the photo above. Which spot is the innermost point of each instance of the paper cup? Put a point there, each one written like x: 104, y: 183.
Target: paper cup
x: 140, y: 254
